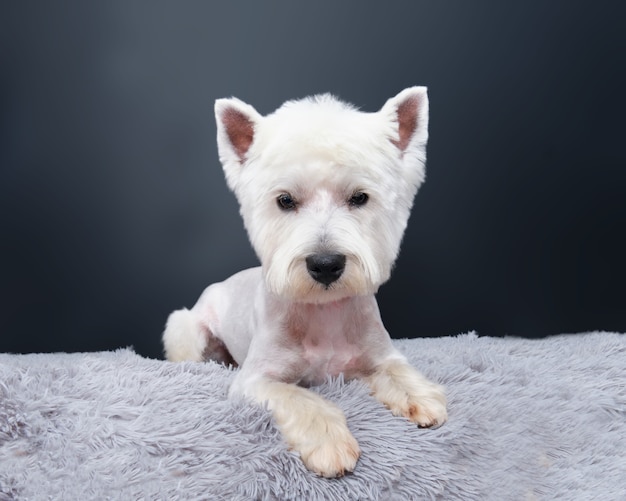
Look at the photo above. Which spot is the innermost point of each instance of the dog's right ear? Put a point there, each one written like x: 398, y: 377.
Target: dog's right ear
x: 236, y: 125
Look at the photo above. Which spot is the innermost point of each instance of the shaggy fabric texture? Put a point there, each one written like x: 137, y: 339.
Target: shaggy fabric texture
x: 529, y: 419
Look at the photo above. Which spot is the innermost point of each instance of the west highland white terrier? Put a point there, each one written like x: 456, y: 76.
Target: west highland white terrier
x: 325, y: 193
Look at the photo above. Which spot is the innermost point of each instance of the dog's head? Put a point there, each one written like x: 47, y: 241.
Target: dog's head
x: 325, y: 190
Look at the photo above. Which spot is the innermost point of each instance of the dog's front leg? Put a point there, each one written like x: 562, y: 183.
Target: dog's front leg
x: 311, y: 425
x: 408, y: 393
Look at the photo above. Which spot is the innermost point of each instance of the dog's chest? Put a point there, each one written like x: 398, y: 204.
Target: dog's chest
x: 329, y: 347
x: 326, y: 355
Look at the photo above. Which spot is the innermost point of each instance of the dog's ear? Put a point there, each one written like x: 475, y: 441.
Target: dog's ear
x: 236, y: 123
x: 409, y: 109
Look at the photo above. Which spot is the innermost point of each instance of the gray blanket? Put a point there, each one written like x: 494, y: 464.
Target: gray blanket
x: 529, y: 419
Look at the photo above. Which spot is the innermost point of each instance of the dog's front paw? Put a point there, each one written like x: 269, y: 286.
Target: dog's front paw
x: 330, y: 455
x: 313, y: 427
x: 407, y: 393
x: 426, y: 409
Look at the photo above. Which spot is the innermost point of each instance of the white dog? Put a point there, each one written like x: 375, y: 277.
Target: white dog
x: 325, y: 194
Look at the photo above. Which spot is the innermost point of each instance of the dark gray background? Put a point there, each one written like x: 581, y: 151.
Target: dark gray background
x: 115, y: 212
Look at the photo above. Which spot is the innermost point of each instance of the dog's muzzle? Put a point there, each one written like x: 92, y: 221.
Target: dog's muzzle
x: 325, y: 268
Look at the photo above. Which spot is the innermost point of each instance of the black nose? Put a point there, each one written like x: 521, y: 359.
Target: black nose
x: 325, y: 268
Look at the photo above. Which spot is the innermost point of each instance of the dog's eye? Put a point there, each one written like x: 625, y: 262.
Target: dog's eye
x: 286, y: 202
x: 358, y: 199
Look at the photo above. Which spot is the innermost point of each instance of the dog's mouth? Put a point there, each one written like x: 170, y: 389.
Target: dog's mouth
x: 320, y: 278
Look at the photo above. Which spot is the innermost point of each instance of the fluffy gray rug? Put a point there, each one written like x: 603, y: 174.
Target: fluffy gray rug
x: 542, y: 419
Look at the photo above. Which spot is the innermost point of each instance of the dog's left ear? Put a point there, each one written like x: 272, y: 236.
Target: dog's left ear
x: 409, y: 109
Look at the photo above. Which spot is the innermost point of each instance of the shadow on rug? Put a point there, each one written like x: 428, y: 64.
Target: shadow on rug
x: 529, y: 419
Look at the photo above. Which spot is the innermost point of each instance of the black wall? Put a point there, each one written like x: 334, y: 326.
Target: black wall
x: 114, y: 210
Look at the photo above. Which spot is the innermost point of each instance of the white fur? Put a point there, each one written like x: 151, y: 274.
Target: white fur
x: 179, y: 344
x: 279, y: 323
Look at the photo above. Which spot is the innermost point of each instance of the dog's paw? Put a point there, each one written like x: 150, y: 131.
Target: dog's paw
x: 330, y: 455
x: 407, y: 393
x: 312, y: 426
x: 322, y: 438
x: 427, y: 409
